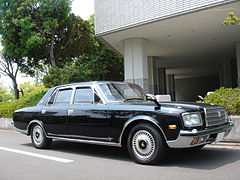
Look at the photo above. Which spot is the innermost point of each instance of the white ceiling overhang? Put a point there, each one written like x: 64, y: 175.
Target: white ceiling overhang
x: 198, y: 36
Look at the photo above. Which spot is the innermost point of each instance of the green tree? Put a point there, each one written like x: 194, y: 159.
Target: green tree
x: 10, y: 69
x: 74, y: 40
x: 104, y: 62
x: 231, y: 19
x: 29, y: 89
x: 41, y: 32
x: 101, y: 64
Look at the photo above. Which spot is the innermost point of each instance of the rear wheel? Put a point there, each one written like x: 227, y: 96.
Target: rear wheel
x: 39, y: 138
x: 145, y: 144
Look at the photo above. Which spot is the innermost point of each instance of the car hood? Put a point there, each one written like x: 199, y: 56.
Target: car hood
x: 187, y: 106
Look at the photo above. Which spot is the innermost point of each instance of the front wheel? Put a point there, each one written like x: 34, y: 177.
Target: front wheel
x: 145, y: 144
x: 39, y: 138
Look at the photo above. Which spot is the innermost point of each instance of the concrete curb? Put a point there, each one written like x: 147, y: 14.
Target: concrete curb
x: 234, y: 135
x: 6, y: 123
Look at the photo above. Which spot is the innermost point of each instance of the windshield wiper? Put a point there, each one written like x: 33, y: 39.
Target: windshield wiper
x: 129, y: 99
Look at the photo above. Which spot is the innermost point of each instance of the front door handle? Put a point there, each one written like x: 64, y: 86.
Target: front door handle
x: 43, y: 111
x: 70, y: 112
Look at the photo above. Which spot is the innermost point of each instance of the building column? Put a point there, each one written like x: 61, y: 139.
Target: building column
x: 225, y: 74
x: 171, y: 86
x: 162, y: 81
x: 238, y: 61
x: 136, y: 62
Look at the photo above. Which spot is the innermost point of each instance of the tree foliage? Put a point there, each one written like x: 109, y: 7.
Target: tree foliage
x: 42, y: 32
x: 7, y: 108
x: 28, y: 89
x: 5, y: 95
x: 100, y: 64
x: 231, y: 19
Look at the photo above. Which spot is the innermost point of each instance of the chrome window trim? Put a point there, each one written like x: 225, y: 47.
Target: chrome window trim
x: 79, y: 87
x: 46, y: 103
x: 57, y: 91
x: 94, y: 90
x: 113, y: 82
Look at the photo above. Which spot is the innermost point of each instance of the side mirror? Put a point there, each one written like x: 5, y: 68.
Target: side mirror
x: 201, y: 98
x: 151, y: 96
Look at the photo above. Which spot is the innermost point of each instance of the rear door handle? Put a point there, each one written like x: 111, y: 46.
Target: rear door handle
x: 70, y: 112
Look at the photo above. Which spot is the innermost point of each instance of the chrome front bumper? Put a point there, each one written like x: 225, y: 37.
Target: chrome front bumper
x: 186, y: 137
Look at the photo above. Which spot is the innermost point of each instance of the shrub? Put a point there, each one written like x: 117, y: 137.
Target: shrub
x: 7, y: 108
x: 227, y: 97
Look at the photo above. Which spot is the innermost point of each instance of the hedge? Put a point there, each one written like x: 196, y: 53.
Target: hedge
x: 7, y: 108
x: 227, y: 97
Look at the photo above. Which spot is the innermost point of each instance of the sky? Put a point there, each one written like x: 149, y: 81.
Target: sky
x: 82, y: 8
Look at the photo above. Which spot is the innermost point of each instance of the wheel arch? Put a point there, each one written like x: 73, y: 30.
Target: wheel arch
x: 137, y: 120
x: 31, y: 123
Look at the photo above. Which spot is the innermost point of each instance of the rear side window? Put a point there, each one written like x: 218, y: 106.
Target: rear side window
x: 83, y: 95
x: 63, y: 96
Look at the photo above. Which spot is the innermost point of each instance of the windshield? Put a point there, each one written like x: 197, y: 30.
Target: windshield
x: 122, y: 91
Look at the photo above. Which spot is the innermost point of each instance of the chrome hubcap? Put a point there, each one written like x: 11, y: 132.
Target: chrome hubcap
x: 143, y: 144
x: 37, y: 134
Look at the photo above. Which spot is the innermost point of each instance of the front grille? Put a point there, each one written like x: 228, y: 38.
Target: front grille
x: 215, y: 116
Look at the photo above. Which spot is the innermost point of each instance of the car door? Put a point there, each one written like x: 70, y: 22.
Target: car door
x: 87, y: 115
x: 54, y: 114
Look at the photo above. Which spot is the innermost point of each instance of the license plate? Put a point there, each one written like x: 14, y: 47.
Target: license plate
x: 220, y: 137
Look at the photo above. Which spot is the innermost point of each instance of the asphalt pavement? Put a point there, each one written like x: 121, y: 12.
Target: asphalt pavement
x: 69, y: 161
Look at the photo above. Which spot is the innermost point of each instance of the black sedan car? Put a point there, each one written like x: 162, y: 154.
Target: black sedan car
x: 120, y: 114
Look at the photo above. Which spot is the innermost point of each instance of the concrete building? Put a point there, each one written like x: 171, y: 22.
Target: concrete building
x: 177, y: 47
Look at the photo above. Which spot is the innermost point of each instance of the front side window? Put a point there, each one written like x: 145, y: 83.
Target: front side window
x: 83, y: 95
x: 122, y: 91
x: 64, y: 96
x: 51, y: 101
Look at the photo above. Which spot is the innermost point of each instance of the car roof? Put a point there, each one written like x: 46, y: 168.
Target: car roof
x: 89, y: 83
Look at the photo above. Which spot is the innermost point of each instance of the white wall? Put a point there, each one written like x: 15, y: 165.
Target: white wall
x: 111, y: 15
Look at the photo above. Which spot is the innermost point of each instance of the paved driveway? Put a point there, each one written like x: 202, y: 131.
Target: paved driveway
x: 65, y: 161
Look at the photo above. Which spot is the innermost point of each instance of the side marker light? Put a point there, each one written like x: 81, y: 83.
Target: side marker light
x: 172, y: 127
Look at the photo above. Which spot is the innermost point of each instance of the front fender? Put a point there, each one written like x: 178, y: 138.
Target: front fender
x: 140, y: 118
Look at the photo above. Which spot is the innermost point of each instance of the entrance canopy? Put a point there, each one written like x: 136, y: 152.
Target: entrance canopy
x: 183, y: 55
x: 197, y: 38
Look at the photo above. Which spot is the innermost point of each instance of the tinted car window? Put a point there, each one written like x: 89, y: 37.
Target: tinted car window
x: 83, y: 95
x: 63, y: 96
x: 97, y: 99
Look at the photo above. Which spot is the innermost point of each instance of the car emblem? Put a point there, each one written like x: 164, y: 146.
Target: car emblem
x: 219, y: 113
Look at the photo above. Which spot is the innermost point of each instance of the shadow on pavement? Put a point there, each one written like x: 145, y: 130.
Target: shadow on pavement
x: 206, y: 159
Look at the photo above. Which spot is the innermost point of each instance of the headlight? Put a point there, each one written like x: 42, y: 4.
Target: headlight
x: 192, y: 119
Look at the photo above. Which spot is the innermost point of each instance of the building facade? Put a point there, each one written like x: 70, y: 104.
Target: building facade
x: 177, y: 47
